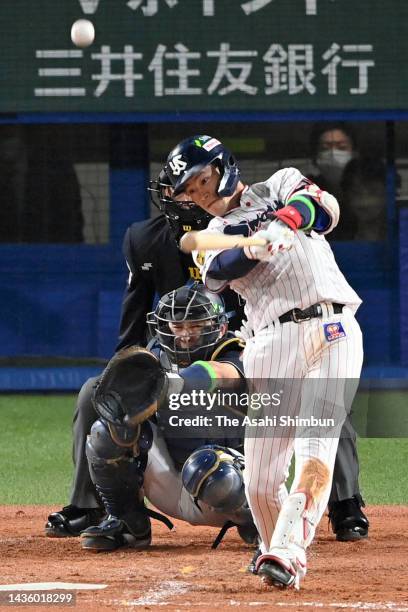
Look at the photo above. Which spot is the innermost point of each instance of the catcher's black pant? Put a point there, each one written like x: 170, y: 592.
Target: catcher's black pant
x: 83, y: 494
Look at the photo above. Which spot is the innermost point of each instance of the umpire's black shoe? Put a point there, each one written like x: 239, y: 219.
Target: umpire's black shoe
x: 113, y: 533
x: 71, y: 520
x: 348, y: 521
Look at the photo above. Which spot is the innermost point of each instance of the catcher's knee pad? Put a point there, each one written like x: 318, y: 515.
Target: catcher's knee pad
x: 100, y: 447
x: 112, y: 442
x: 213, y: 474
x: 109, y: 462
x: 112, y: 468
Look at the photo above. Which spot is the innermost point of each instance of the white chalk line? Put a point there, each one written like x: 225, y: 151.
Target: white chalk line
x: 156, y: 596
x: 171, y: 588
x: 358, y: 605
x: 52, y: 586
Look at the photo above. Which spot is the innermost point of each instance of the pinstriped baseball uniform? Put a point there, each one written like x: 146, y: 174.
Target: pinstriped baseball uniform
x: 317, y: 360
x: 305, y: 275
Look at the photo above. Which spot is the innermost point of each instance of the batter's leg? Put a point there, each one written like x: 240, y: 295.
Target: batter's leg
x: 328, y: 392
x: 284, y: 564
x: 268, y: 449
x: 267, y: 462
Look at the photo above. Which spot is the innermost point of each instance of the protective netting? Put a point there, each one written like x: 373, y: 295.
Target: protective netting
x: 83, y: 128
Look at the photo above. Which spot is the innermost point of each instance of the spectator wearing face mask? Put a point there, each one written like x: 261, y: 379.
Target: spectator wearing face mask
x: 333, y: 146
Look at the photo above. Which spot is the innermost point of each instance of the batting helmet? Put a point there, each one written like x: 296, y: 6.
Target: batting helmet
x: 188, y: 323
x: 183, y: 216
x: 193, y: 154
x: 213, y: 474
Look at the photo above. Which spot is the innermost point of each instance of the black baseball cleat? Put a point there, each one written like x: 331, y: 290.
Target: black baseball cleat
x: 71, y: 520
x: 348, y: 521
x: 113, y: 533
x: 274, y: 574
x: 251, y: 568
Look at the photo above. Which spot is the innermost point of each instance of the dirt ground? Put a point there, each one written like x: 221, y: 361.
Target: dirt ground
x: 181, y: 572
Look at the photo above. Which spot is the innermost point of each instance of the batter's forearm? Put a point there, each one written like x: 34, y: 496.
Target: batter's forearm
x: 230, y: 264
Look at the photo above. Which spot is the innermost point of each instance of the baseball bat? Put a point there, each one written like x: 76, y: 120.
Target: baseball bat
x: 203, y: 241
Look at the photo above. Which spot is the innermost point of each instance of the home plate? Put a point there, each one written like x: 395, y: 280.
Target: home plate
x: 52, y: 586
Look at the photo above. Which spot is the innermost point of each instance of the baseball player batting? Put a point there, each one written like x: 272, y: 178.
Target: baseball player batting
x: 301, y: 328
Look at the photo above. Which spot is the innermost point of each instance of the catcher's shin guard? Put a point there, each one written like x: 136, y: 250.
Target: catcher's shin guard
x: 118, y: 477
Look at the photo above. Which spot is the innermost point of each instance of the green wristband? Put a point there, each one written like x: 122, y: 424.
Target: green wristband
x: 210, y: 371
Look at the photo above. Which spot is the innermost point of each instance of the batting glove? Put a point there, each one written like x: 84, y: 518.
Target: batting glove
x: 261, y: 253
x: 280, y: 238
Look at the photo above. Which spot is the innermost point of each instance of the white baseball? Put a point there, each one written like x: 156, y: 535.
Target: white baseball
x: 82, y: 33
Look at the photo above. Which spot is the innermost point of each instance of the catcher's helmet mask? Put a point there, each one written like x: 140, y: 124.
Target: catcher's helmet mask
x: 192, y: 304
x: 183, y: 216
x: 192, y: 155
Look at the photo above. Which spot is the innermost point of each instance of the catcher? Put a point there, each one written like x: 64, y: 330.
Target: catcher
x: 133, y: 451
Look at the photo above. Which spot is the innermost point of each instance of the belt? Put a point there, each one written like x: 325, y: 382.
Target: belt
x: 298, y: 316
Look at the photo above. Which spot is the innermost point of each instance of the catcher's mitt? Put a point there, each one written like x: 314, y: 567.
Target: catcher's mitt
x: 130, y: 387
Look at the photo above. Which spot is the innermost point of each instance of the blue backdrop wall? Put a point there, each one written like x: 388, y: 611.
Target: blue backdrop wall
x: 65, y: 300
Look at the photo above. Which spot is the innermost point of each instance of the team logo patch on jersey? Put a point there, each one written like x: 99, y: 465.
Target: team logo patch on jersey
x: 333, y: 331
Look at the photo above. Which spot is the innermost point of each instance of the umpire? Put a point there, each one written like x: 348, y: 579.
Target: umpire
x: 156, y: 266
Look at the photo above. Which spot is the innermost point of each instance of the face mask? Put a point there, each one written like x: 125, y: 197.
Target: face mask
x: 331, y: 162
